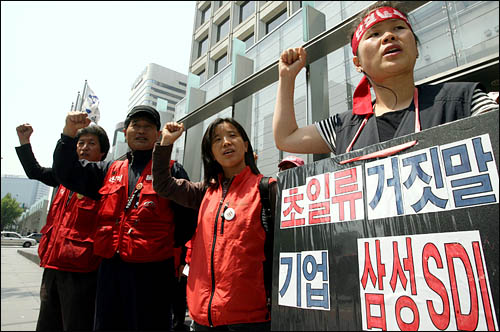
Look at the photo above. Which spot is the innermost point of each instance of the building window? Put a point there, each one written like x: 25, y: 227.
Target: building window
x: 167, y: 86
x: 218, y: 4
x: 220, y: 63
x: 247, y: 8
x: 203, y: 76
x: 275, y: 21
x: 205, y: 15
x: 248, y: 41
x: 202, y: 46
x: 223, y: 29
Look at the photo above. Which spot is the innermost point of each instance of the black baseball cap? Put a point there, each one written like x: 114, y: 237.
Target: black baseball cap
x: 144, y: 110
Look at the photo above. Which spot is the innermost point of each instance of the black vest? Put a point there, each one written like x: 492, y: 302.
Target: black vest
x: 438, y: 104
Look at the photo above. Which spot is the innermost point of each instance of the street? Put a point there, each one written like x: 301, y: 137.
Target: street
x: 21, y: 279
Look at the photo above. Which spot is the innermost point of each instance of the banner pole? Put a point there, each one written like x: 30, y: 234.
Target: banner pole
x: 73, y: 108
x: 83, y: 95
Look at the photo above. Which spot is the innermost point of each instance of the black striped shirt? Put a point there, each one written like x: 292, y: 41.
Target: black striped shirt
x: 480, y: 103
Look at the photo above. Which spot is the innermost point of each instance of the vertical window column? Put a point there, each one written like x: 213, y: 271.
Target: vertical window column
x: 222, y: 29
x: 202, y: 46
x: 275, y: 21
x: 205, y: 15
x: 220, y: 63
x: 249, y: 41
x: 247, y: 8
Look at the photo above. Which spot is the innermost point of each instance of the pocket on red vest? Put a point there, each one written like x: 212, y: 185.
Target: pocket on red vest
x: 103, y: 241
x: 147, y: 242
x: 77, y: 254
x: 111, y: 201
x: 83, y: 226
x: 152, y: 207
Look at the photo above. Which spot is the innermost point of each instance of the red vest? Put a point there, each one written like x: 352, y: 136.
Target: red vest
x: 144, y: 232
x: 67, y: 241
x: 239, y: 295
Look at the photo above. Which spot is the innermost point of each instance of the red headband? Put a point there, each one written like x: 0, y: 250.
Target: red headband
x: 374, y: 17
x: 362, y: 103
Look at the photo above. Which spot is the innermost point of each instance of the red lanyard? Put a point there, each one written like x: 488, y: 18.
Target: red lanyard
x: 389, y: 151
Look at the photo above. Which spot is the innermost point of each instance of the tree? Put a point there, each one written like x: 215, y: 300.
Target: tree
x: 11, y: 209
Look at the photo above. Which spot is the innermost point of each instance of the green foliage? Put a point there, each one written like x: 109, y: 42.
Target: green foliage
x: 11, y: 209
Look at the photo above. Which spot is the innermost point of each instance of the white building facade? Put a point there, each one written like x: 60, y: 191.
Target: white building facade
x: 157, y: 86
x: 33, y: 219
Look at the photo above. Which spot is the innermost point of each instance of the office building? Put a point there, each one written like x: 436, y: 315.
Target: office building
x: 236, y: 45
x: 33, y: 219
x: 218, y: 22
x: 24, y: 190
x: 156, y: 86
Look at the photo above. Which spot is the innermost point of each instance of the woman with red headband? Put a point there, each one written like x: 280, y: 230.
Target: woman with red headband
x: 385, y: 51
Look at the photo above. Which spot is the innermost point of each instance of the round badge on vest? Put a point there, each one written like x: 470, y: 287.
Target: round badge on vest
x: 138, y: 186
x: 229, y: 214
x: 79, y: 196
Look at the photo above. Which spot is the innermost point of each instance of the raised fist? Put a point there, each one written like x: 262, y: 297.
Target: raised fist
x: 24, y: 132
x: 75, y: 121
x: 171, y: 132
x: 291, y: 61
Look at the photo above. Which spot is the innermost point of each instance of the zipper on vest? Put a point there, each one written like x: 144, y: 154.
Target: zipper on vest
x: 223, y: 219
x: 69, y: 198
x: 212, y: 270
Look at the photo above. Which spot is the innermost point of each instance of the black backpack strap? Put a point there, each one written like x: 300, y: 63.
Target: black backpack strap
x: 266, y: 202
x: 267, y: 219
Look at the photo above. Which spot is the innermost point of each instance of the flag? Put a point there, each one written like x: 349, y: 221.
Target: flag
x: 90, y: 105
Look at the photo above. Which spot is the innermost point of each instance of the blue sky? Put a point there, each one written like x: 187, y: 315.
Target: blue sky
x: 49, y: 49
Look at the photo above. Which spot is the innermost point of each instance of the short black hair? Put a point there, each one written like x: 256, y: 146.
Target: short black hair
x: 98, y: 131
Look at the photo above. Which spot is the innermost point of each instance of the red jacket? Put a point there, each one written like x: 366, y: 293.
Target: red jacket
x: 236, y: 294
x: 142, y: 233
x: 67, y: 243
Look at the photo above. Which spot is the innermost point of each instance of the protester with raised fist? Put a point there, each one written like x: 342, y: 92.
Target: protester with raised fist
x: 228, y: 286
x: 68, y: 290
x: 135, y: 231
x: 385, y: 50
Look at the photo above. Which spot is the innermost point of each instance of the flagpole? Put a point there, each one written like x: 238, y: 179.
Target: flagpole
x: 76, y: 103
x: 83, y: 95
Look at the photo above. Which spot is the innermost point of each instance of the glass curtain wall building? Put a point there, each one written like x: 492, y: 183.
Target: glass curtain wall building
x: 458, y: 41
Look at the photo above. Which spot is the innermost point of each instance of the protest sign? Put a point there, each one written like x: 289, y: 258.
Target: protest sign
x: 409, y: 241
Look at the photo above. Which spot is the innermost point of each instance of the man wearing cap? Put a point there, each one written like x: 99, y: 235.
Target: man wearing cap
x: 290, y: 162
x: 135, y: 231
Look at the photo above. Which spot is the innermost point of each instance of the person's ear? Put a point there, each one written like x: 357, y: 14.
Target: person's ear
x: 357, y: 64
